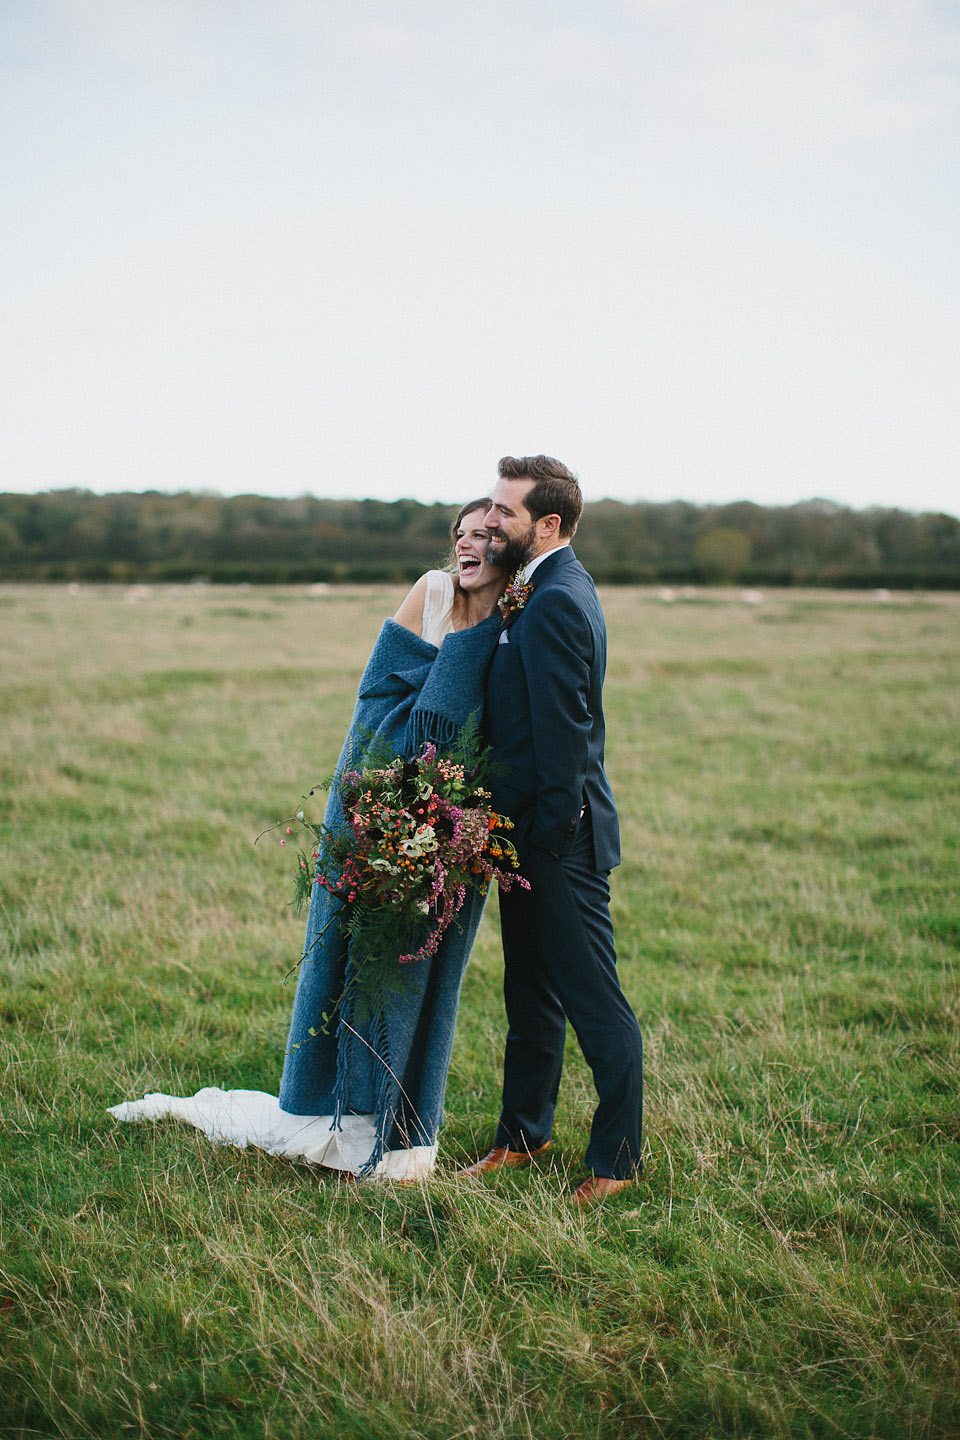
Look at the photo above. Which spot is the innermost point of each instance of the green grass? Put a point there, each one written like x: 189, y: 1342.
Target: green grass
x: 788, y: 923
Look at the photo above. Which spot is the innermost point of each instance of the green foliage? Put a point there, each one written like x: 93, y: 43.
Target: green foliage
x: 787, y: 923
x: 722, y: 553
x: 75, y: 535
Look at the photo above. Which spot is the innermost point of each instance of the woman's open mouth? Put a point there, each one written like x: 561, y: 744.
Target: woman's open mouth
x: 468, y: 564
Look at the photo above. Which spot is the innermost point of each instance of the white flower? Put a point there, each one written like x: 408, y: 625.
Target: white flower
x: 420, y: 843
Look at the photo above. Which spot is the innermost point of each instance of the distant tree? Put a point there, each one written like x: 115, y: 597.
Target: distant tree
x: 722, y: 553
x: 11, y: 546
x: 74, y: 534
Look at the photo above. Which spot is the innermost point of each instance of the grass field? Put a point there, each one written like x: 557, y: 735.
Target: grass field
x: 788, y: 925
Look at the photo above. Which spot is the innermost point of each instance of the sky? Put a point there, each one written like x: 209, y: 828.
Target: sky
x: 705, y: 250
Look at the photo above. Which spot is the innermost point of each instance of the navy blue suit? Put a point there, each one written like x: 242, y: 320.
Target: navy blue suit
x: 544, y: 719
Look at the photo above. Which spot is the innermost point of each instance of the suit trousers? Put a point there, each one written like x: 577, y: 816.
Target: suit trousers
x: 560, y: 964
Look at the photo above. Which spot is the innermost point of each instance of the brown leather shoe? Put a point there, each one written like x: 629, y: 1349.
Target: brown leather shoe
x: 500, y: 1158
x: 599, y: 1188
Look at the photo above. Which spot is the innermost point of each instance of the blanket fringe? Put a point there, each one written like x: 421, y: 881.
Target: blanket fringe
x: 429, y: 727
x: 343, y: 1064
x: 387, y: 1091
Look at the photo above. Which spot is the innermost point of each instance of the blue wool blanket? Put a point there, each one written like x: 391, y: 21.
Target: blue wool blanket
x: 395, y: 1063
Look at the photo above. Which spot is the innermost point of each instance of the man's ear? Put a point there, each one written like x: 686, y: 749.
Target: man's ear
x: 549, y: 527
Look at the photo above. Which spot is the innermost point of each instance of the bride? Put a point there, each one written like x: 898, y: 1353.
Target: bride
x: 367, y: 1097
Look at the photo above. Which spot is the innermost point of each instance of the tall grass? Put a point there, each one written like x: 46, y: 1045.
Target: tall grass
x: 788, y: 924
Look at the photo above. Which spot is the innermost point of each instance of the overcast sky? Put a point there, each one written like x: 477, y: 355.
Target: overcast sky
x: 698, y: 249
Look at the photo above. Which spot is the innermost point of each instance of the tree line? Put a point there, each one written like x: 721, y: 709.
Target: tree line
x: 64, y: 535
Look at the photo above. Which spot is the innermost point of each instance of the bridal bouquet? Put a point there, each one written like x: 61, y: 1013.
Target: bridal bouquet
x: 419, y: 832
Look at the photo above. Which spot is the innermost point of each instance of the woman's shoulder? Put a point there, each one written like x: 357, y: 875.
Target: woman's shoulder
x: 437, y: 619
x: 438, y: 585
x: 427, y: 605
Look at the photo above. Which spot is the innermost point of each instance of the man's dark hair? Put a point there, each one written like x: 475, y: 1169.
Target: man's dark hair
x: 556, y: 490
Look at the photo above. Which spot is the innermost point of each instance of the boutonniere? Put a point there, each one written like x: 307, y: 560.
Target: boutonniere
x: 514, y: 598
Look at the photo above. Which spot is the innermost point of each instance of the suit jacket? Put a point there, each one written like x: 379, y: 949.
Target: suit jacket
x: 544, y: 714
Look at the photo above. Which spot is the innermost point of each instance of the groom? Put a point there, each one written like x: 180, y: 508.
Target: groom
x: 545, y: 723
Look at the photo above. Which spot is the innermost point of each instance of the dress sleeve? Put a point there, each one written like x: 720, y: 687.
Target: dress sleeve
x: 437, y: 607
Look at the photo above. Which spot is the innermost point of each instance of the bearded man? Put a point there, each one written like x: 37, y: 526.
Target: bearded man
x: 544, y: 720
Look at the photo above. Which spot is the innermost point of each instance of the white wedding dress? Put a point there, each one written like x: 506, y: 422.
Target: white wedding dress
x: 253, y: 1118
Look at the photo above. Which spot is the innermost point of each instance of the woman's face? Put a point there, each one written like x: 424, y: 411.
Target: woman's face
x: 473, y: 570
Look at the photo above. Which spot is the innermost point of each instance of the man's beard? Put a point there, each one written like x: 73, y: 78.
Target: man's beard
x: 513, y: 553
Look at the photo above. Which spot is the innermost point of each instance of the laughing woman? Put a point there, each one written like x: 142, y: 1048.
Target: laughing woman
x: 366, y: 1095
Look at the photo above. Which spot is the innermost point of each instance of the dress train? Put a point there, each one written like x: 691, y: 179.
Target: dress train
x: 252, y: 1118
